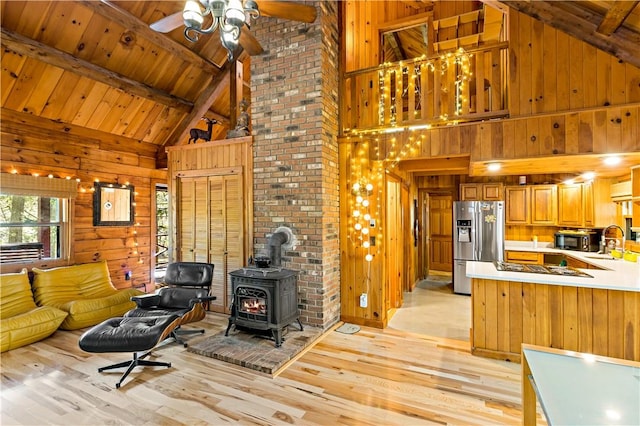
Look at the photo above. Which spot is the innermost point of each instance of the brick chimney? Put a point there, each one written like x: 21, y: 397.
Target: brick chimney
x: 294, y: 112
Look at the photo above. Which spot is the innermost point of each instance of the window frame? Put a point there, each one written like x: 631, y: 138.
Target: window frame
x: 66, y: 191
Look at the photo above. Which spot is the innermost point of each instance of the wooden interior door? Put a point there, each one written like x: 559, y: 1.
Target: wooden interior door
x: 226, y: 235
x: 394, y: 248
x: 192, y: 210
x: 424, y: 250
x: 211, y: 228
x: 440, y: 228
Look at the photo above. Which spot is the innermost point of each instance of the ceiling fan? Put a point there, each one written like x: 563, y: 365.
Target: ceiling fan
x: 231, y: 18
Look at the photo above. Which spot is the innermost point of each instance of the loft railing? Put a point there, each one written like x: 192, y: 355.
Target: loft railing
x: 466, y: 85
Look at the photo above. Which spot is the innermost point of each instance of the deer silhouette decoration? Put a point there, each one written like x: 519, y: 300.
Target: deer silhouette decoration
x: 202, y: 134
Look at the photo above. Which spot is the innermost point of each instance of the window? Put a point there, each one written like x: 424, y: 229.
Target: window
x: 162, y: 228
x: 34, y: 218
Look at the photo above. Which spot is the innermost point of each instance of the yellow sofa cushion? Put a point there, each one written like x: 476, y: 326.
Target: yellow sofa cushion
x: 22, y: 322
x: 16, y: 294
x: 84, y: 291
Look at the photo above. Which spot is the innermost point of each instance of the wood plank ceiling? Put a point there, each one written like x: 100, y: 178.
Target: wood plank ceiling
x: 97, y: 65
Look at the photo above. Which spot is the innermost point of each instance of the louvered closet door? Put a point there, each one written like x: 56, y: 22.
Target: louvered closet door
x: 192, y: 209
x: 225, y: 235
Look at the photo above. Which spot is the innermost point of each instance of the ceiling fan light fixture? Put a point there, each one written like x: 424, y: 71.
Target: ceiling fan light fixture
x: 234, y: 14
x: 229, y: 16
x: 192, y: 15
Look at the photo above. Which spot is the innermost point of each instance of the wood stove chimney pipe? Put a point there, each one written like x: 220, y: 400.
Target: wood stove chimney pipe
x: 276, y: 241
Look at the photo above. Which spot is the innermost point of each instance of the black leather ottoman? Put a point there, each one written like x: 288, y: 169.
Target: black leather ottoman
x: 129, y: 335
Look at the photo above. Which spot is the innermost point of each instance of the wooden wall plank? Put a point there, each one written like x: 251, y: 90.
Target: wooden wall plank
x: 525, y: 67
x: 631, y: 320
x: 548, y: 96
x: 537, y: 66
x: 616, y: 324
x: 514, y: 64
x: 542, y: 316
x: 557, y: 316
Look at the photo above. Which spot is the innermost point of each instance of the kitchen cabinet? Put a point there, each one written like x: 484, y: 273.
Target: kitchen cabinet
x: 531, y: 257
x: 517, y: 209
x: 586, y: 204
x: 481, y: 191
x: 570, y: 209
x: 544, y: 204
x: 531, y: 205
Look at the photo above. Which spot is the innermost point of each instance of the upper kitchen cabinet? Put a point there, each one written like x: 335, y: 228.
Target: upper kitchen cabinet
x: 531, y: 205
x: 586, y: 204
x: 481, y: 191
x: 570, y: 205
x: 517, y: 205
x: 544, y: 204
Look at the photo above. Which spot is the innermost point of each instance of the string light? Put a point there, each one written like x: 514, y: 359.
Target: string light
x: 82, y: 189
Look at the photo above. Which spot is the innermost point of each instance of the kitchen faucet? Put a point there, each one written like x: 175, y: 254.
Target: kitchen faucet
x: 615, y: 240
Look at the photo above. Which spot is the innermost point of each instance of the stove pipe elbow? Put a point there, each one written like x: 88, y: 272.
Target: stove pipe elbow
x: 275, y: 247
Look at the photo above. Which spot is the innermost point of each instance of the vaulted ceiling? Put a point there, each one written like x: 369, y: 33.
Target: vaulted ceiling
x: 97, y: 65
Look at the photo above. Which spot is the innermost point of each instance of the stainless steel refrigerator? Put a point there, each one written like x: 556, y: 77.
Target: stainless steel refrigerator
x: 478, y: 234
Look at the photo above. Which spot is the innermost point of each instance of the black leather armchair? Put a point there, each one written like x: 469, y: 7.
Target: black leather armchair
x: 186, y: 295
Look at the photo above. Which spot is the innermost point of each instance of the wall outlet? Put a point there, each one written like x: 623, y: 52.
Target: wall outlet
x: 363, y: 300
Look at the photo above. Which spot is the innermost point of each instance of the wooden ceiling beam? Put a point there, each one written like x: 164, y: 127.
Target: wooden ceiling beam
x: 578, y: 22
x: 112, y: 12
x: 52, y: 56
x: 436, y: 166
x: 201, y: 106
x: 617, y: 13
x: 30, y: 125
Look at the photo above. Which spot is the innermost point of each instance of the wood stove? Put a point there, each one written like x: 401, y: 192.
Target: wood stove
x: 264, y: 299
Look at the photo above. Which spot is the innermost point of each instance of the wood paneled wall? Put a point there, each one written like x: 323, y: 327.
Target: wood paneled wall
x: 565, y: 98
x: 551, y: 71
x: 598, y: 321
x: 36, y: 145
x: 364, y: 18
x: 209, y: 158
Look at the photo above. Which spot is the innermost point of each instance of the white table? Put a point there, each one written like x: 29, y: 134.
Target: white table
x: 579, y: 389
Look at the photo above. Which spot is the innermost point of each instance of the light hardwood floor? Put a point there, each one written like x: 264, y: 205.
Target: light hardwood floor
x: 373, y: 377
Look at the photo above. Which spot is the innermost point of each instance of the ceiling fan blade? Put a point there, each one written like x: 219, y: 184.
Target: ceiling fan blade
x: 250, y: 43
x: 288, y: 10
x: 168, y: 23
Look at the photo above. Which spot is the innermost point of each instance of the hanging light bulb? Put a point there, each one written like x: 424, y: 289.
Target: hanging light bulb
x: 365, y: 203
x: 357, y: 226
x: 359, y: 199
x: 369, y: 187
x: 356, y: 213
x: 356, y: 187
x: 365, y: 231
x: 368, y: 257
x: 367, y: 217
x: 366, y: 244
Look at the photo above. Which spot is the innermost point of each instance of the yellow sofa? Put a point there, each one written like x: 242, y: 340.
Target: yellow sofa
x: 85, y: 291
x: 22, y: 322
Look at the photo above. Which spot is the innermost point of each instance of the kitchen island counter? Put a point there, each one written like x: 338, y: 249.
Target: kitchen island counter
x: 599, y: 315
x: 619, y: 275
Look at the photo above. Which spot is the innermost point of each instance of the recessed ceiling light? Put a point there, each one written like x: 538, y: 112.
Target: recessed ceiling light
x: 569, y: 182
x: 493, y: 167
x: 612, y: 161
x: 588, y: 175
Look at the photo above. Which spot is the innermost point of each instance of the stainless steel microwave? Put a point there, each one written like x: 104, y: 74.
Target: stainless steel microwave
x: 577, y: 240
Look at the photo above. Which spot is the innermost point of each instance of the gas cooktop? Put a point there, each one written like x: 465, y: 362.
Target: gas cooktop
x: 540, y: 269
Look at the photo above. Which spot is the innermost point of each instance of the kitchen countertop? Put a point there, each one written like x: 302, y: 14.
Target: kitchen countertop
x: 617, y: 275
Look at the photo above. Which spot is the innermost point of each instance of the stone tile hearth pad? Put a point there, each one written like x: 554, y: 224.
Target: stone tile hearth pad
x: 256, y: 351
